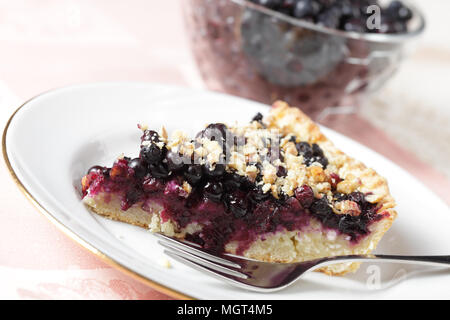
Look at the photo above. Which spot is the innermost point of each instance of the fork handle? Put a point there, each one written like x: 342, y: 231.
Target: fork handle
x: 437, y: 261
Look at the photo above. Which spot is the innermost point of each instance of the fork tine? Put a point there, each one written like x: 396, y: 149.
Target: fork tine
x: 202, y: 268
x: 195, y: 251
x: 204, y: 262
x: 216, y: 274
x: 211, y: 272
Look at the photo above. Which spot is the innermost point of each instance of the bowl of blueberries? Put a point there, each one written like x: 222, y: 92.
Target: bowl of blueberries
x: 315, y: 54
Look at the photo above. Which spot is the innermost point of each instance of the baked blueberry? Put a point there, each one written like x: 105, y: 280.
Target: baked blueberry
x: 174, y: 161
x: 193, y: 174
x: 150, y: 135
x: 139, y: 167
x: 305, y: 195
x: 159, y: 171
x: 151, y: 154
x: 213, y: 191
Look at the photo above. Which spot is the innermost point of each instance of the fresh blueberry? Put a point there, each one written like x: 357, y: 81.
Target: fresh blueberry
x: 398, y: 11
x: 347, y: 15
x: 304, y: 8
x: 289, y: 3
x: 330, y: 18
x: 272, y: 4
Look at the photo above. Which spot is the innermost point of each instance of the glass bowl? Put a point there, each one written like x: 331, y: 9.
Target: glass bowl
x: 250, y: 51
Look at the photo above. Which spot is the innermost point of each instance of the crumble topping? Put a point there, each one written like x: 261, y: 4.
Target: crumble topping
x: 347, y: 207
x: 279, y: 153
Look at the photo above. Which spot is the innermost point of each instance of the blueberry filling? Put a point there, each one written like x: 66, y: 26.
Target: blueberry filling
x: 228, y: 206
x: 242, y: 208
x: 354, y: 226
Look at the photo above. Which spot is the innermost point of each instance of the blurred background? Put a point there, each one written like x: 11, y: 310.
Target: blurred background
x: 48, y: 44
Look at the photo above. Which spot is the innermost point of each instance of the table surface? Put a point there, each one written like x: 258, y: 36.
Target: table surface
x: 49, y: 44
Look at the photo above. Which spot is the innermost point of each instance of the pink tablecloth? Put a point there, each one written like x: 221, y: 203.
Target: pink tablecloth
x: 50, y: 44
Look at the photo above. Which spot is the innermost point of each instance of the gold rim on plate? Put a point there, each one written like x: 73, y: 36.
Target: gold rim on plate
x: 72, y: 235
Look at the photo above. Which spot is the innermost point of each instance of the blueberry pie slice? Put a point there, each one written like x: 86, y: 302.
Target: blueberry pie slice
x: 275, y: 189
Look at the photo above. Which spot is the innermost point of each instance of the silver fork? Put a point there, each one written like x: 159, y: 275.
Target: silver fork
x: 262, y: 276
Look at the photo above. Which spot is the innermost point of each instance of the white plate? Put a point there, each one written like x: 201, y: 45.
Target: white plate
x: 53, y: 138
